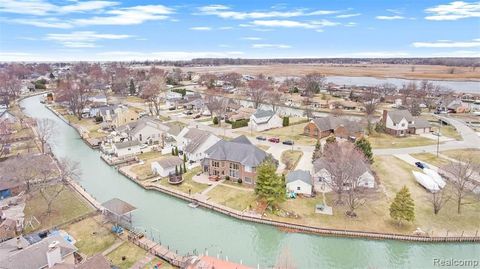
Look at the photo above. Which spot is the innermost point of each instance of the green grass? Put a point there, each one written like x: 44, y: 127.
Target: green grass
x: 131, y: 252
x: 232, y: 197
x: 91, y: 236
x: 291, y: 158
x: 431, y: 158
x: 67, y: 206
x: 187, y: 184
x: 379, y: 141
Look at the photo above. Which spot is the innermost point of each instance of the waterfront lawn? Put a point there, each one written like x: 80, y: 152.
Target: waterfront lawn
x: 290, y: 158
x: 129, y: 251
x: 458, y: 153
x: 92, y: 237
x: 235, y: 198
x: 381, y: 140
x: 374, y: 216
x: 431, y: 158
x: 67, y: 206
x: 187, y: 184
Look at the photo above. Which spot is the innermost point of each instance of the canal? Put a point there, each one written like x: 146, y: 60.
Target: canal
x: 186, y: 229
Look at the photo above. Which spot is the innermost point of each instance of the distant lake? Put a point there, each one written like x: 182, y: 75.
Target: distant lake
x: 458, y: 86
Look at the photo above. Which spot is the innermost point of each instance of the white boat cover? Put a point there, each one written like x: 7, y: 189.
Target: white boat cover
x: 426, y: 181
x: 435, y: 176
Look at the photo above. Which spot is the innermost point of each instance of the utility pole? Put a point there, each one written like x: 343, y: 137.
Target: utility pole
x: 438, y: 135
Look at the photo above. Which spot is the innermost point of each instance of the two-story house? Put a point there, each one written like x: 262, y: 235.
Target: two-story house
x: 194, y: 142
x: 236, y: 159
x: 401, y: 123
x: 338, y: 126
x: 146, y: 130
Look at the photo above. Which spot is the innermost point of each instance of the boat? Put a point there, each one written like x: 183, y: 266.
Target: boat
x: 193, y: 205
x: 435, y: 176
x: 426, y: 181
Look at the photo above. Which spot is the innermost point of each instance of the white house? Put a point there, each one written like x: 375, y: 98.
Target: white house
x: 194, y: 142
x: 300, y: 182
x: 146, y: 130
x: 264, y: 119
x: 127, y: 148
x: 172, y: 98
x: 98, y: 99
x: 321, y: 176
x: 166, y: 166
x: 401, y: 123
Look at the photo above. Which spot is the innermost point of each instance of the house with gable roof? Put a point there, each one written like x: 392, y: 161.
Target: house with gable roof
x: 263, y: 120
x: 339, y: 126
x: 401, y: 123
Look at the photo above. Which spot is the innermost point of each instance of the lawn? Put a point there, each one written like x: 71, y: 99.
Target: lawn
x: 126, y: 255
x: 380, y: 140
x: 144, y: 171
x: 290, y: 158
x: 447, y: 130
x: 459, y: 153
x: 232, y: 197
x: 67, y: 206
x: 392, y: 173
x: 134, y: 99
x: 187, y: 184
x: 431, y: 158
x: 292, y: 132
x: 92, y: 237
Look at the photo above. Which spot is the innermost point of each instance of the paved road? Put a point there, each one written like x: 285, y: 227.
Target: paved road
x: 470, y: 140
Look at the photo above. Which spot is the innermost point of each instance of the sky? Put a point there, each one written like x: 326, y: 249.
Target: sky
x: 105, y: 30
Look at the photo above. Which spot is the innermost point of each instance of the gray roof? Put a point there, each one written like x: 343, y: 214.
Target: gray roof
x: 97, y: 261
x: 398, y: 115
x: 332, y: 123
x: 127, y: 144
x: 419, y: 122
x: 239, y: 150
x: 35, y: 256
x: 302, y: 175
x: 169, y: 162
x: 195, y: 140
x: 118, y: 207
x: 260, y: 113
x: 133, y: 127
x: 319, y: 164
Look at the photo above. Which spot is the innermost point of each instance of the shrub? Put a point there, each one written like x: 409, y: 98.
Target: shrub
x: 227, y: 178
x: 98, y: 118
x: 215, y: 120
x: 239, y: 181
x: 286, y: 121
x: 239, y: 123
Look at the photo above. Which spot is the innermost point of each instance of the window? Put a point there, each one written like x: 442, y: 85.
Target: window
x: 140, y: 137
x: 298, y: 188
x: 247, y: 180
x: 215, y: 164
x: 234, y: 170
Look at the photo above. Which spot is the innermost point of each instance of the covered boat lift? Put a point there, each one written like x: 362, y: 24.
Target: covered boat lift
x: 118, y: 211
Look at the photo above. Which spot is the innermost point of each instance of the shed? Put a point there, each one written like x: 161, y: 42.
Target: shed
x: 300, y: 182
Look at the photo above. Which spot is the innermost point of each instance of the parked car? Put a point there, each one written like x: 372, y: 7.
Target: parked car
x: 172, y: 108
x: 188, y: 112
x: 197, y: 116
x: 274, y: 140
x: 263, y: 138
x: 421, y: 165
x: 288, y: 142
x: 143, y: 146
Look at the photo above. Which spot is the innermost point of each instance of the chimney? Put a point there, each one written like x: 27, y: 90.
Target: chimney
x: 54, y: 255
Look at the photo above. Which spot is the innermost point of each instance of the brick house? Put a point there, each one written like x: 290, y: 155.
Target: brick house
x: 339, y: 126
x: 237, y: 159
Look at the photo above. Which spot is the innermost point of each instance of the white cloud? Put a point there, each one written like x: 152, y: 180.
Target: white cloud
x: 351, y: 24
x: 226, y: 12
x: 392, y: 17
x: 83, y: 39
x: 225, y: 28
x: 454, y: 11
x: 316, y: 25
x: 128, y: 16
x: 43, y: 22
x: 164, y: 55
x: 201, y: 28
x: 42, y: 8
x: 343, y: 16
x: 274, y: 46
x: 448, y: 44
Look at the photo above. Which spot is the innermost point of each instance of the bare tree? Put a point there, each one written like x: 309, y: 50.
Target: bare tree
x: 208, y: 80
x: 345, y: 164
x: 234, y: 78
x: 274, y: 98
x: 212, y: 104
x: 46, y: 129
x: 312, y: 83
x: 74, y: 91
x: 153, y: 88
x: 370, y: 106
x: 5, y: 132
x: 462, y: 175
x: 439, y: 199
x: 258, y: 90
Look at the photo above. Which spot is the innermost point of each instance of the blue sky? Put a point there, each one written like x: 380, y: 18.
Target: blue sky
x: 53, y: 30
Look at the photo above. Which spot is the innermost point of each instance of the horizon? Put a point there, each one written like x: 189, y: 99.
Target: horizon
x: 56, y: 31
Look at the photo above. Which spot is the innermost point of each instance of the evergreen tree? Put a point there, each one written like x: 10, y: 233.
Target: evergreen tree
x: 176, y: 170
x: 176, y: 151
x: 132, y: 87
x: 364, y: 145
x: 331, y: 139
x: 215, y: 120
x: 317, y: 152
x: 184, y: 168
x: 269, y: 186
x: 286, y: 121
x: 173, y: 151
x: 184, y: 158
x: 403, y: 207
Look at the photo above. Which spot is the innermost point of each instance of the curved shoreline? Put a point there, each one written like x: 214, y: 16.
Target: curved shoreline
x: 279, y: 224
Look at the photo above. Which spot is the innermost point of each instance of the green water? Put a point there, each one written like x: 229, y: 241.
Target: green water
x: 185, y: 229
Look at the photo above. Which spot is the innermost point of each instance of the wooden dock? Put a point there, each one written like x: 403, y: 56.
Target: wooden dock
x: 161, y: 251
